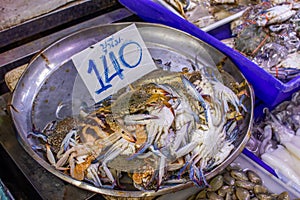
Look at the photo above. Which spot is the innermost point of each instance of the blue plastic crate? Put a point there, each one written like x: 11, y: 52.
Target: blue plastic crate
x: 266, y: 87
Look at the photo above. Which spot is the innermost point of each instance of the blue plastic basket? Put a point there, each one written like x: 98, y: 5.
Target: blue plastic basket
x: 266, y: 87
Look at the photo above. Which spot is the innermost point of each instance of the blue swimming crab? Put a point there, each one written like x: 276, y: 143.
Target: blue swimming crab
x: 55, y: 132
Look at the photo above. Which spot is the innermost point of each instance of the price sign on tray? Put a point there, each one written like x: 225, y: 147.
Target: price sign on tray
x: 114, y: 62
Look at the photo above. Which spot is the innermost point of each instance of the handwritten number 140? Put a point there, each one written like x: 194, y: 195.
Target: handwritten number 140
x: 115, y: 62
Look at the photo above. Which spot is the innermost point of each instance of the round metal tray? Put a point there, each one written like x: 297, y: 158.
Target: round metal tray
x: 50, y: 78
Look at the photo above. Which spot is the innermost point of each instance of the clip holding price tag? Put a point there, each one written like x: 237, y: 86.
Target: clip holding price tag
x: 114, y: 62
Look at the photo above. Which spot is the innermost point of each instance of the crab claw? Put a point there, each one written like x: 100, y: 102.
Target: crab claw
x: 197, y: 176
x: 161, y: 91
x: 128, y: 137
x: 155, y: 89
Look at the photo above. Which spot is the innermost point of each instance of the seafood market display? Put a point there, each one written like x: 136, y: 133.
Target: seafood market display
x: 204, y: 13
x: 237, y: 183
x: 268, y: 34
x: 164, y: 129
x: 276, y: 140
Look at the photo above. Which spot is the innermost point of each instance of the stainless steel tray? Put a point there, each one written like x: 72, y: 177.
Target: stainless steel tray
x: 51, y: 79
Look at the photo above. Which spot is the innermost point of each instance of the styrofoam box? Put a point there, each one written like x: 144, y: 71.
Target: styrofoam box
x: 266, y: 87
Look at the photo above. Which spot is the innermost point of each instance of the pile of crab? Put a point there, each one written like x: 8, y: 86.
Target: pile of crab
x: 268, y: 34
x: 166, y: 128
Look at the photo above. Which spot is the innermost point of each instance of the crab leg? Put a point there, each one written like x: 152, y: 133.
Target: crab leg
x: 186, y: 149
x: 112, y: 153
x: 92, y: 173
x: 65, y: 157
x: 50, y: 155
x: 180, y: 135
x: 162, y: 165
x: 68, y: 140
x: 136, y: 119
x: 37, y: 134
x: 194, y: 92
x: 49, y: 126
x: 109, y: 143
x: 197, y: 176
x: 152, y: 130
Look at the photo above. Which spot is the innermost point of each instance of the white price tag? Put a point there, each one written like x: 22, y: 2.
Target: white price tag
x: 114, y: 62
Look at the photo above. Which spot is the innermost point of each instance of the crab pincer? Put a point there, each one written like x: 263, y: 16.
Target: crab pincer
x: 197, y: 176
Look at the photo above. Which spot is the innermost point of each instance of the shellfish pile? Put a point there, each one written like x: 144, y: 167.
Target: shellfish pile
x: 166, y: 128
x: 237, y: 183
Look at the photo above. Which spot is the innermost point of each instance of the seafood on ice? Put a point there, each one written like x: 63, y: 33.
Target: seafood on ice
x: 268, y: 34
x: 276, y: 140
